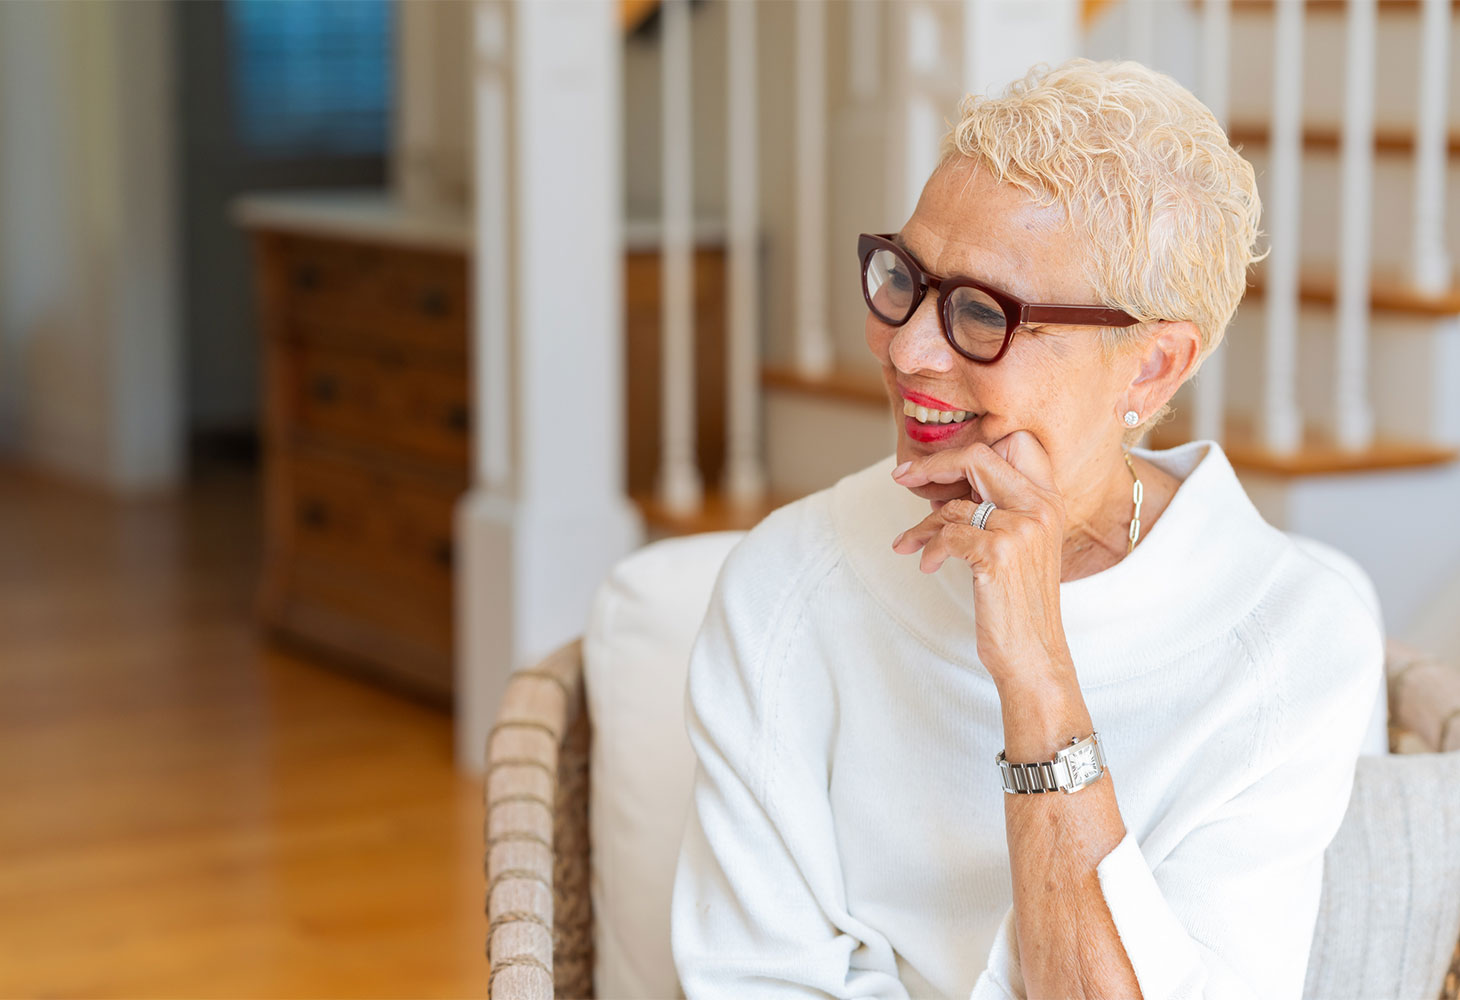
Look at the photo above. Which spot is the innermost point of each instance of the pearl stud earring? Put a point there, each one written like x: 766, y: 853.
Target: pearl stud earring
x: 1132, y: 418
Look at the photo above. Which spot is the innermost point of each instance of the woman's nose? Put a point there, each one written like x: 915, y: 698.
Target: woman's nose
x: 919, y: 343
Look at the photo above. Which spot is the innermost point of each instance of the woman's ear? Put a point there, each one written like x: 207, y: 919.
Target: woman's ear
x: 1170, y: 358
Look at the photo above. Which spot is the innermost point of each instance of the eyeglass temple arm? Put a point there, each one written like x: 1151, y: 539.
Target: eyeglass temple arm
x: 1078, y: 315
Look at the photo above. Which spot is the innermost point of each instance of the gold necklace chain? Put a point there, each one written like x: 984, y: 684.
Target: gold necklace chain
x: 1137, y: 492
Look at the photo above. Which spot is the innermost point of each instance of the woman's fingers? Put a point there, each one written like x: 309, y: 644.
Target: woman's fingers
x: 954, y: 513
x: 990, y: 475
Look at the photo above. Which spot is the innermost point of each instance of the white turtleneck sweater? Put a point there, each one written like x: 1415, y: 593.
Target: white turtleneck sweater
x: 846, y: 836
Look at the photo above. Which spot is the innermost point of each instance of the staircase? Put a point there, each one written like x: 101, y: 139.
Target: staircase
x: 1389, y: 500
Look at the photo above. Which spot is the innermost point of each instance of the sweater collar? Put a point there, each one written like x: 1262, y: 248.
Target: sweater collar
x: 1192, y: 575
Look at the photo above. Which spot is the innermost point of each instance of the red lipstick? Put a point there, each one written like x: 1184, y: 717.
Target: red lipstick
x: 924, y: 400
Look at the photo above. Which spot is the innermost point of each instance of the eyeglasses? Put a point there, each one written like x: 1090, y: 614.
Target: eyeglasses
x: 978, y: 320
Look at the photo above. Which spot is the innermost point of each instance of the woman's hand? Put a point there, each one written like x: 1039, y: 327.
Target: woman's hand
x: 1015, y: 557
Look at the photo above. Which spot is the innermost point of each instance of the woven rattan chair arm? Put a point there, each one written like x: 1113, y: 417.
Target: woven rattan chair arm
x: 1424, y: 696
x: 541, y: 707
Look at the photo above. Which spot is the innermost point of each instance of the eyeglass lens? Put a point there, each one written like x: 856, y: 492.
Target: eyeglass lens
x: 977, y: 322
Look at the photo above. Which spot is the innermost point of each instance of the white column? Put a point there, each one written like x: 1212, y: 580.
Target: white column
x: 678, y: 487
x: 744, y: 470
x: 543, y: 525
x: 814, y: 355
x: 1430, y: 264
x: 1282, y: 424
x: 1209, y: 388
x: 1353, y: 417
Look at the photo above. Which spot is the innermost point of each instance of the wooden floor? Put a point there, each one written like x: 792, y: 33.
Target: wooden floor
x: 185, y: 812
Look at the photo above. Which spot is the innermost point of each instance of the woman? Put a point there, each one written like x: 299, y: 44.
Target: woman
x: 1096, y: 613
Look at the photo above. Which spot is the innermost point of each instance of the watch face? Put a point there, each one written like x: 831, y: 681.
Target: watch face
x: 1083, y: 765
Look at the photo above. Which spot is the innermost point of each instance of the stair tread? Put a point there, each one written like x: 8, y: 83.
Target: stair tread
x: 851, y: 385
x: 1318, y: 454
x: 1330, y: 6
x: 1387, y: 138
x: 716, y: 514
x: 1388, y: 291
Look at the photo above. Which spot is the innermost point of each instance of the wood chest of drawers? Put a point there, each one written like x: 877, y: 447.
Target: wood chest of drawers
x: 366, y: 420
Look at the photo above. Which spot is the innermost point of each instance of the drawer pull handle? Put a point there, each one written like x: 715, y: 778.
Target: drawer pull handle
x: 458, y: 417
x: 306, y: 278
x: 324, y: 388
x: 435, y: 302
x: 441, y: 552
x: 312, y: 513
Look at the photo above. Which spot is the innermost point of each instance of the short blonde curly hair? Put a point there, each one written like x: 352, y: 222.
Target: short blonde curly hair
x: 1147, y: 177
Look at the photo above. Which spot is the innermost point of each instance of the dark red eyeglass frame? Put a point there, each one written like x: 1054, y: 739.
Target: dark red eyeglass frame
x: 1017, y: 312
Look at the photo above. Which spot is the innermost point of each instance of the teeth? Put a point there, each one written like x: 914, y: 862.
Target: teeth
x: 926, y: 416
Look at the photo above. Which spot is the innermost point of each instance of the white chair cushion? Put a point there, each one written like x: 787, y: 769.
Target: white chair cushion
x: 642, y: 625
x: 1390, y: 911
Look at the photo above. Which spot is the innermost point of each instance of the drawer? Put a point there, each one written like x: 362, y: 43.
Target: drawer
x: 417, y: 410
x: 392, y: 532
x: 401, y: 300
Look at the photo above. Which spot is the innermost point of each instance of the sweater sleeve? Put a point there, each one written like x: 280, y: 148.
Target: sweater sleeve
x: 759, y: 906
x: 1230, y: 911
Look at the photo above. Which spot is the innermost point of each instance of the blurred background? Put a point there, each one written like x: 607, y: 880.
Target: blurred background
x: 346, y: 344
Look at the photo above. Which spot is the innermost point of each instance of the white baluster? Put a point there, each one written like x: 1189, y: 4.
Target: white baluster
x: 1282, y: 425
x: 813, y: 342
x: 679, y: 487
x: 1140, y: 31
x: 1209, y: 388
x: 492, y: 360
x: 977, y: 20
x: 923, y: 63
x: 864, y: 53
x: 1430, y: 265
x: 899, y: 94
x: 1353, y: 417
x: 744, y: 471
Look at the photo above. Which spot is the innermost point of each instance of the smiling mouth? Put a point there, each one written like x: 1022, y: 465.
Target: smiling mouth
x: 932, y: 418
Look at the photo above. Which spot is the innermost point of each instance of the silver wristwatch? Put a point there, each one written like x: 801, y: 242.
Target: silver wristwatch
x: 1072, y: 768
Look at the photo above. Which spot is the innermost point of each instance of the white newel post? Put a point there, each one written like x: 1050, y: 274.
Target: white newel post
x: 679, y: 487
x: 744, y: 470
x: 1209, y: 388
x: 1430, y: 265
x: 1353, y: 418
x: 814, y: 355
x: 1282, y: 425
x: 547, y: 514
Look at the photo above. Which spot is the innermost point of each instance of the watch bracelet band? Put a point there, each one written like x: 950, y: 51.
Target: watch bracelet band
x: 1043, y: 775
x: 1033, y: 777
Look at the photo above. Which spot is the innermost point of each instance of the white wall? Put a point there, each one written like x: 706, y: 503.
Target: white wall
x: 89, y: 380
